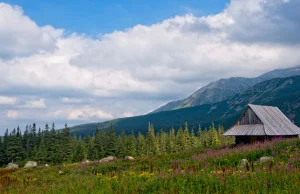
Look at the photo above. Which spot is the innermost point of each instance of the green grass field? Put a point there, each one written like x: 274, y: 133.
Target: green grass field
x: 194, y: 171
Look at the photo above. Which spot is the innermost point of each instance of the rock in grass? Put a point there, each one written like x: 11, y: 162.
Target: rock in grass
x: 245, y: 164
x: 46, y: 165
x: 30, y: 164
x: 129, y: 158
x: 264, y: 160
x: 107, y: 159
x: 12, y: 166
x: 61, y: 172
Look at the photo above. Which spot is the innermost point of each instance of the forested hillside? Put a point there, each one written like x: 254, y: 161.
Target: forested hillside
x: 55, y: 147
x: 281, y: 92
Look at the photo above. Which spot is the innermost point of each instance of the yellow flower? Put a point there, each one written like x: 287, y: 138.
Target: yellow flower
x: 131, y: 173
x: 170, y: 170
x: 99, y: 175
x: 113, y: 178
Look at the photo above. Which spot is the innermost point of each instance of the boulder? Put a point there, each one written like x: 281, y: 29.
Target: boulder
x: 86, y: 161
x: 46, y: 165
x: 264, y: 160
x: 129, y: 158
x: 61, y: 172
x: 107, y: 159
x: 30, y: 164
x: 245, y: 165
x: 12, y: 166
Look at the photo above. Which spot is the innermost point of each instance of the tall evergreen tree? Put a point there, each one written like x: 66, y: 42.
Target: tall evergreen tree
x: 111, y: 142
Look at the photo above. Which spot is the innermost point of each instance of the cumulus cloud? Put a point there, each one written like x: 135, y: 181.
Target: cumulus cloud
x: 20, y: 36
x: 151, y: 64
x: 12, y: 114
x: 83, y: 114
x: 39, y: 104
x: 7, y: 100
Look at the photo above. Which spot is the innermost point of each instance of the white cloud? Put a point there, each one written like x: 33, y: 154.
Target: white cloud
x: 39, y: 104
x: 8, y: 100
x: 20, y: 36
x: 12, y: 114
x: 128, y: 114
x: 71, y: 100
x: 88, y: 114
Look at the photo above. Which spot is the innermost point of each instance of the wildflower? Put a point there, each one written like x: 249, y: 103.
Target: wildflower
x: 131, y: 173
x: 113, y: 178
x: 170, y: 170
x: 99, y: 175
x: 191, y: 173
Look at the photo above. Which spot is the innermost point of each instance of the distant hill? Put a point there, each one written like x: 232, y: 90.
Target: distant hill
x: 224, y: 89
x: 281, y: 92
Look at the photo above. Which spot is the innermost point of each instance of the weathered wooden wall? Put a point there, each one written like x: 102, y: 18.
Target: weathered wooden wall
x: 249, y: 118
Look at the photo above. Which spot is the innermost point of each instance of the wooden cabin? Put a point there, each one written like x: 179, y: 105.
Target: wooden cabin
x: 259, y: 123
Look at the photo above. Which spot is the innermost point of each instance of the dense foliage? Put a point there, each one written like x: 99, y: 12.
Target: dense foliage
x: 55, y: 147
x: 201, y: 170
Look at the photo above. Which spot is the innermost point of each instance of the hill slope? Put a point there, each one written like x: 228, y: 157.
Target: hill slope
x: 224, y: 89
x: 281, y: 92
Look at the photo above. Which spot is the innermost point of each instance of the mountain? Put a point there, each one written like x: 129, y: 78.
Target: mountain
x: 224, y: 89
x: 281, y: 92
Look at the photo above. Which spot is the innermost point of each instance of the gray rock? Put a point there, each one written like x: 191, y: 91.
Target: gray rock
x: 129, y: 158
x: 264, y: 160
x: 107, y: 159
x: 12, y: 166
x: 46, y: 165
x: 245, y: 164
x: 30, y: 164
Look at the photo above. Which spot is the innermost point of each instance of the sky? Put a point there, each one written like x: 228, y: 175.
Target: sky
x: 89, y: 61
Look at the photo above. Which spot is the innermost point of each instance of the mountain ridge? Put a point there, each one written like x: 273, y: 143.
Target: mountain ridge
x: 281, y: 92
x: 223, y: 89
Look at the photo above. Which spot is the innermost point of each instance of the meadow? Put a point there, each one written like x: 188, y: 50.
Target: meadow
x: 200, y: 170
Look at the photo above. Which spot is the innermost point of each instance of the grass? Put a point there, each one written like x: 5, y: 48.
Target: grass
x: 194, y: 171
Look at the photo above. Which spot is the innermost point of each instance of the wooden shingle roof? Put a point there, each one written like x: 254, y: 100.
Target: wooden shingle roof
x: 274, y: 123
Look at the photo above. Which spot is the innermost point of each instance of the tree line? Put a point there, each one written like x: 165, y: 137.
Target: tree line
x: 57, y: 146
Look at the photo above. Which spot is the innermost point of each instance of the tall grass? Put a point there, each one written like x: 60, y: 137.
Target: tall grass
x: 194, y: 171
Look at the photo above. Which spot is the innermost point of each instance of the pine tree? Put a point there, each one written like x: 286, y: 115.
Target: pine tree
x: 79, y: 152
x: 122, y: 149
x: 41, y: 154
x: 151, y: 143
x: 111, y: 142
x: 171, y: 143
x: 162, y: 142
x: 66, y: 144
x: 2, y: 155
x: 180, y: 140
x: 215, y: 142
x: 131, y: 145
x: 186, y: 136
x: 141, y: 145
x: 193, y: 140
x: 91, y: 152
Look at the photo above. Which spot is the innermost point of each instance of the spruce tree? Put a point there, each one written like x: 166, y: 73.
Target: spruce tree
x: 152, y: 145
x: 111, y: 142
x: 141, y: 145
x: 79, y: 152
x: 180, y: 140
x: 66, y: 144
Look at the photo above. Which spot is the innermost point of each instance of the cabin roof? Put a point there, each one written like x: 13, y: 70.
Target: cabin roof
x: 274, y: 123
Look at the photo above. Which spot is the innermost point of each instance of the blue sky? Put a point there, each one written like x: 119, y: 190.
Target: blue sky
x: 94, y: 17
x: 73, y: 61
